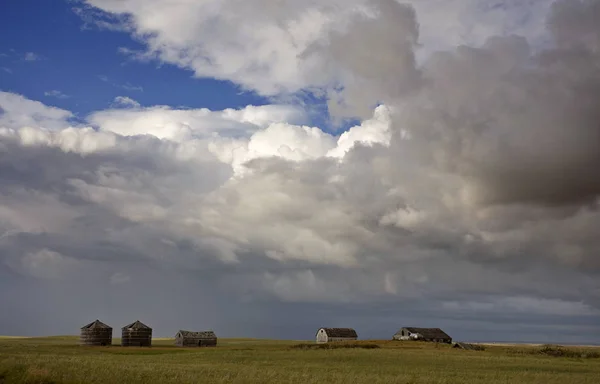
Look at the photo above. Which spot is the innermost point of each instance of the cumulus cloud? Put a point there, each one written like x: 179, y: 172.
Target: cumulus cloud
x: 165, y: 122
x: 125, y: 101
x: 257, y: 44
x: 17, y: 111
x: 466, y: 194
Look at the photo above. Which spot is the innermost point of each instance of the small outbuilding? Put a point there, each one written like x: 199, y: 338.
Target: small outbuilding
x: 96, y: 333
x: 195, y: 339
x: 328, y: 335
x: 423, y: 334
x: 136, y: 334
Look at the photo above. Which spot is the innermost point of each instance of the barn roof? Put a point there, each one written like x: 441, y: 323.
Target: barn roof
x: 136, y: 325
x: 340, y: 332
x: 198, y: 335
x: 97, y: 324
x: 428, y: 333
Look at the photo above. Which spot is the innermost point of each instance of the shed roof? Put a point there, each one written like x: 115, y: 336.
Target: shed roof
x: 340, y: 332
x: 428, y: 333
x: 198, y: 335
x: 136, y: 325
x: 97, y: 324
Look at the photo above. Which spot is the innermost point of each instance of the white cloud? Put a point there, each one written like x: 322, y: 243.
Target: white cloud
x: 18, y: 111
x: 181, y: 124
x: 31, y: 56
x: 99, y: 20
x: 260, y: 49
x: 372, y: 131
x: 126, y: 102
x: 57, y: 94
x: 77, y: 140
x: 131, y: 87
x: 126, y: 86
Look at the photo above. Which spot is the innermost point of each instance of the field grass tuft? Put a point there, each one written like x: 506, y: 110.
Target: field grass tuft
x: 560, y: 351
x: 335, y: 346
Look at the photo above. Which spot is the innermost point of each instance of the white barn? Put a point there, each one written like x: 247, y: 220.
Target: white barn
x: 328, y: 335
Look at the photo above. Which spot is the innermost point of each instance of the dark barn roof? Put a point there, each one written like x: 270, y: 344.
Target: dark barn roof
x: 136, y: 325
x: 96, y: 325
x: 198, y: 335
x: 427, y: 333
x: 340, y: 332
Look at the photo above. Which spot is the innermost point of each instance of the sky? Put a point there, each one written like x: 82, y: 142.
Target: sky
x: 264, y: 168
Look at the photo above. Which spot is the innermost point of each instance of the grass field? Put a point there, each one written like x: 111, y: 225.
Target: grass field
x: 61, y: 360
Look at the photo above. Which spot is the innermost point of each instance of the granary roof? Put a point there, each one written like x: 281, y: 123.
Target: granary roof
x: 136, y: 325
x: 198, y: 335
x: 97, y: 324
x: 340, y: 332
x: 428, y: 333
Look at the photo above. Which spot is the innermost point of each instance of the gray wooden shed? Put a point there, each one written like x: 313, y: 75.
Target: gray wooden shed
x: 196, y: 339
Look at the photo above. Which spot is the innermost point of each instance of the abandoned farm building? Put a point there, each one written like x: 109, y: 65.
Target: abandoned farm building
x: 96, y: 333
x: 195, y: 339
x: 328, y: 335
x: 136, y: 334
x: 423, y: 334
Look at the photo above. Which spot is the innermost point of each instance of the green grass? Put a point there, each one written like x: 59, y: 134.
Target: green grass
x: 61, y: 360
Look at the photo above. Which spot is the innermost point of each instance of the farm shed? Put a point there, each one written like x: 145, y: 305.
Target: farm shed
x: 327, y: 335
x: 136, y: 334
x: 424, y: 334
x: 96, y: 333
x: 195, y: 339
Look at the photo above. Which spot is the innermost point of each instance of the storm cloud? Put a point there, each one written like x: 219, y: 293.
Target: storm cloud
x: 467, y: 197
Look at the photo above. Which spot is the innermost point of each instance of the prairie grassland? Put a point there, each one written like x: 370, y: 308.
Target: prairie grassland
x: 61, y: 360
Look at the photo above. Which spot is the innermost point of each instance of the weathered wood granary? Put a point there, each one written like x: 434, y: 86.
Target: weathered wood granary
x: 423, y: 334
x: 96, y: 333
x: 195, y: 339
x: 136, y: 334
x: 328, y: 335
